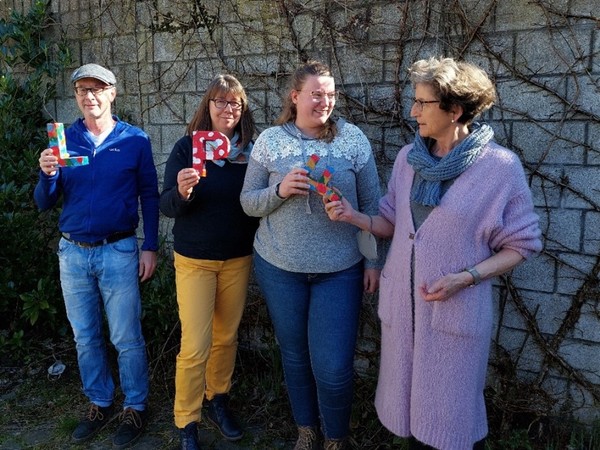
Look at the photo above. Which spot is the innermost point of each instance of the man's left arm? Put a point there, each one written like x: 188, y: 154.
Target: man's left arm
x: 149, y: 199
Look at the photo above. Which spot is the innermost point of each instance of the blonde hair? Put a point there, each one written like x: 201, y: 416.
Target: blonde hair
x: 220, y: 86
x: 456, y: 83
x: 289, y: 111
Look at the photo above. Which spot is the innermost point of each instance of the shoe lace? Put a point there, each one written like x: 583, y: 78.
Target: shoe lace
x: 307, y: 437
x: 334, y: 445
x: 94, y: 413
x: 130, y: 416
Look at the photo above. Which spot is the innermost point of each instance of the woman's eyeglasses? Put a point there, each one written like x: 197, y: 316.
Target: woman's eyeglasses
x: 222, y: 104
x: 420, y: 103
x: 318, y: 96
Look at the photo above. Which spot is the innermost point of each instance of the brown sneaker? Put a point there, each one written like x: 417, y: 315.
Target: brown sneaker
x: 96, y: 419
x: 132, y: 424
x: 335, y: 444
x: 307, y: 439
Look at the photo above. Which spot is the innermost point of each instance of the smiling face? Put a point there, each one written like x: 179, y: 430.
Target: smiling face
x: 312, y: 114
x: 95, y: 106
x: 225, y: 119
x: 433, y: 121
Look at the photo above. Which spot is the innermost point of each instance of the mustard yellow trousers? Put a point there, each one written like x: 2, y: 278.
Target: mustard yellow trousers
x: 211, y: 296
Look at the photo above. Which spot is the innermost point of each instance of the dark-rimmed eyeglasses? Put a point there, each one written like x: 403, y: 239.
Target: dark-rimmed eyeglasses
x: 318, y: 96
x: 222, y: 104
x: 83, y: 91
x: 420, y: 103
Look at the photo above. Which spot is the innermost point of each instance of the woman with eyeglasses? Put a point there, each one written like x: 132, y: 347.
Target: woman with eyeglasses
x: 213, y: 250
x: 310, y: 269
x: 459, y: 212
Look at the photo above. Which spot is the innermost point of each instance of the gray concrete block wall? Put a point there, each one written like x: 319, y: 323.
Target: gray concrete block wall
x: 547, y: 71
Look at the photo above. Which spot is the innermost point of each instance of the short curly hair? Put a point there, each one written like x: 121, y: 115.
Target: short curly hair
x: 456, y: 83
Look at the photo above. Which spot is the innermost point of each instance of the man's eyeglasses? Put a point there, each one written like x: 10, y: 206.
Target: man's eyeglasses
x: 318, y: 96
x: 82, y: 91
x: 420, y: 103
x: 222, y: 104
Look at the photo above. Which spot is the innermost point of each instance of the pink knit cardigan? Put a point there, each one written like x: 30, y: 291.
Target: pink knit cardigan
x: 431, y: 379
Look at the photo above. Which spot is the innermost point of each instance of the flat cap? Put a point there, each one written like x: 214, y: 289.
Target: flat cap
x: 94, y: 71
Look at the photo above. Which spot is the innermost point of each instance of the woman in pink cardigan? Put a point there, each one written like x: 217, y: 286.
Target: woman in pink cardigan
x: 459, y: 212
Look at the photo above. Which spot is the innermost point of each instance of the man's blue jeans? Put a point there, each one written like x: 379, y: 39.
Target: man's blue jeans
x: 315, y: 317
x: 106, y: 276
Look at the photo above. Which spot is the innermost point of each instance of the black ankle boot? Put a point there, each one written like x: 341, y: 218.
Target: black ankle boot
x: 188, y: 437
x: 221, y: 416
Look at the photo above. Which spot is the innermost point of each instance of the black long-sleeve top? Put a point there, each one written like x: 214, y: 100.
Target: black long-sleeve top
x: 211, y: 224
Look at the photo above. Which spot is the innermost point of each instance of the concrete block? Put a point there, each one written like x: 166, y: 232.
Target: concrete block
x: 591, y: 233
x: 495, y: 65
x: 588, y: 327
x: 258, y: 65
x: 177, y: 76
x: 552, y: 50
x: 584, y: 93
x: 142, y: 78
x: 386, y: 21
x: 584, y: 180
x: 166, y: 110
x: 583, y: 357
x: 551, y: 142
x: 572, y: 272
x: 535, y: 274
x: 562, y: 229
x: 243, y: 41
x: 526, y: 101
x: 593, y: 152
x: 546, y: 193
x: 518, y: 15
x: 206, y: 69
x: 363, y: 66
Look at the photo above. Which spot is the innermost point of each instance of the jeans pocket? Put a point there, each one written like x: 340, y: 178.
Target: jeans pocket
x: 64, y: 247
x: 127, y: 246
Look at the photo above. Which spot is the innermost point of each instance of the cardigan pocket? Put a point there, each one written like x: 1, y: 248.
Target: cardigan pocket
x: 469, y: 313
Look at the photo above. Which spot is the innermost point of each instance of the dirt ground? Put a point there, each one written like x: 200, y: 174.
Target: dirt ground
x: 37, y: 412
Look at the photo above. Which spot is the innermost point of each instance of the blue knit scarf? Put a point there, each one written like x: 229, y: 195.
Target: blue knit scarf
x: 430, y: 171
x: 237, y: 154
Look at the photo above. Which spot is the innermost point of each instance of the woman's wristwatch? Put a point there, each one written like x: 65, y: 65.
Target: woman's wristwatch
x: 476, y: 276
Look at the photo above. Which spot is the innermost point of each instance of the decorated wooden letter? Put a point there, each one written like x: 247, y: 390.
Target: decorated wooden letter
x: 322, y: 185
x: 58, y: 144
x: 208, y: 145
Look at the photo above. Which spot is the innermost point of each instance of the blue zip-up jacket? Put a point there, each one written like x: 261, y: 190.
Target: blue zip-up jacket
x: 101, y: 198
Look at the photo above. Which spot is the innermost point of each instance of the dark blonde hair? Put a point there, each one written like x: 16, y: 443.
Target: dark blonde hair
x: 456, y: 83
x: 220, y: 86
x: 289, y: 112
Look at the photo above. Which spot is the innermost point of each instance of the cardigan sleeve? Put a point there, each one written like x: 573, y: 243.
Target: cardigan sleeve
x: 520, y: 229
x: 387, y: 204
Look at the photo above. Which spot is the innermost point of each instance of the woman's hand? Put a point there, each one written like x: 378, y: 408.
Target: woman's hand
x: 371, y: 280
x: 446, y: 287
x: 503, y: 261
x: 186, y: 180
x: 294, y: 183
x: 48, y: 162
x: 339, y: 210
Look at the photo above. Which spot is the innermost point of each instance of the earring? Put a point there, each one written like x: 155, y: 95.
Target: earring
x: 452, y: 120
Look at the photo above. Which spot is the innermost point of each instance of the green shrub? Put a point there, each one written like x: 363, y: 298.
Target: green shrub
x: 29, y: 291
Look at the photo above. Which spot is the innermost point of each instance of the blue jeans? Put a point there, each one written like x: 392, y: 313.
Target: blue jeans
x: 106, y: 276
x: 315, y: 316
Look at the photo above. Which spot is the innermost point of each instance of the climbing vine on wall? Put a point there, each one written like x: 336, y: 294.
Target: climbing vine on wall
x: 542, y: 55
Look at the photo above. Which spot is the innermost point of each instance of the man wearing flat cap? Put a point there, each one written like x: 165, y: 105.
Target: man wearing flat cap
x: 100, y: 263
